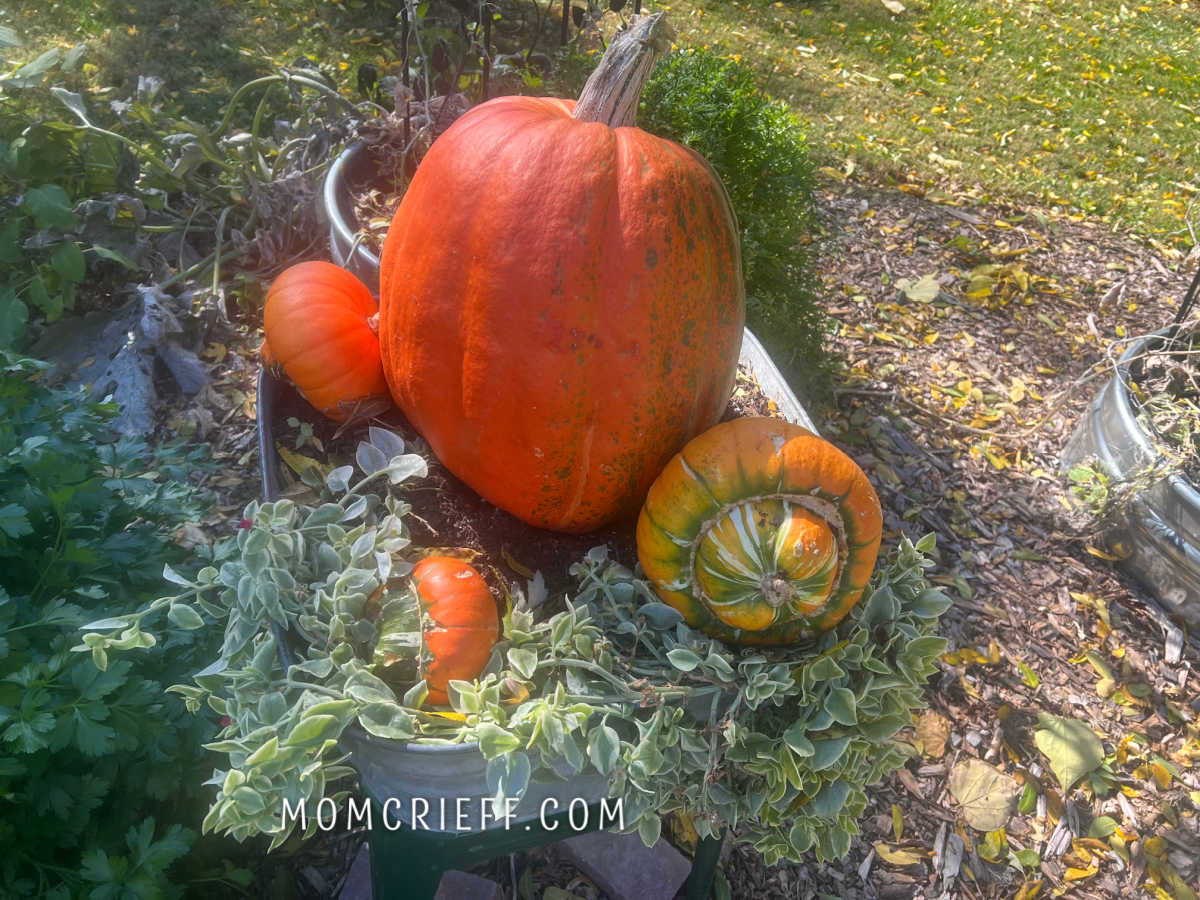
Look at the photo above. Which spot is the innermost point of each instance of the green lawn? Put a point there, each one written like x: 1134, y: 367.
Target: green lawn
x: 1091, y: 106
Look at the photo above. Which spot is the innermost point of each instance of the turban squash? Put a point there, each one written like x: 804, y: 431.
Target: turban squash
x: 319, y: 323
x: 561, y: 302
x: 760, y: 532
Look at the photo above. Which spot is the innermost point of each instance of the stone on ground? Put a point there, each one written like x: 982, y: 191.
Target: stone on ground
x: 465, y: 886
x: 625, y: 868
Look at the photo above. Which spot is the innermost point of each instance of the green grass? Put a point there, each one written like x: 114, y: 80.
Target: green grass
x: 1092, y: 106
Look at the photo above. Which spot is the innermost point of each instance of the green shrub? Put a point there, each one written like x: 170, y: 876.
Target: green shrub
x: 90, y: 760
x: 759, y: 148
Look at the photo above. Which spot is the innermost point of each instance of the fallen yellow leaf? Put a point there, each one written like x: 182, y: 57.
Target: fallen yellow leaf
x: 1162, y: 775
x: 898, y: 856
x: 515, y: 564
x: 297, y: 462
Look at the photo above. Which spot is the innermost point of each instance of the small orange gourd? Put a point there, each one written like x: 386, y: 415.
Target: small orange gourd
x: 760, y: 532
x: 461, y: 623
x: 320, y: 327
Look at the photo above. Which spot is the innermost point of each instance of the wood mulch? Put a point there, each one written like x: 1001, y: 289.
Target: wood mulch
x: 958, y: 408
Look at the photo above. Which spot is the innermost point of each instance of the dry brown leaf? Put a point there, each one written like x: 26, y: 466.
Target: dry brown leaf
x: 986, y: 795
x: 190, y: 535
x: 933, y: 730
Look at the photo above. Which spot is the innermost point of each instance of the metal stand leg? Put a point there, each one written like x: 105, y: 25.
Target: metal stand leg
x: 704, y: 867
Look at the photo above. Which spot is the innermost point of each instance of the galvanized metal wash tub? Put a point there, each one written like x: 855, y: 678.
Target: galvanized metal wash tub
x: 1157, y: 533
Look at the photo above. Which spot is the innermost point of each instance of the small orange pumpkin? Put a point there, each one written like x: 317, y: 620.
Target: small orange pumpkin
x: 320, y: 326
x: 760, y: 532
x: 461, y: 622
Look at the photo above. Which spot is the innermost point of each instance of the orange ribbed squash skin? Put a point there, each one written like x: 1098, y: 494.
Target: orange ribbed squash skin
x: 561, y: 308
x: 760, y: 532
x: 463, y: 624
x: 317, y: 331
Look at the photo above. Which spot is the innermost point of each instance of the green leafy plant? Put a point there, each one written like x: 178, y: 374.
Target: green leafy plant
x: 760, y: 150
x: 94, y: 763
x: 778, y: 744
x: 95, y: 188
x: 1090, y: 487
x: 41, y: 260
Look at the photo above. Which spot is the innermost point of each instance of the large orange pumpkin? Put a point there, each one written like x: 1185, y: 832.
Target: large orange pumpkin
x: 562, y: 302
x: 320, y: 329
x: 760, y: 532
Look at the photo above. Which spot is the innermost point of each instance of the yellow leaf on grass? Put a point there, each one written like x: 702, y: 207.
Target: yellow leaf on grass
x: 898, y: 856
x: 897, y: 822
x: 1162, y: 775
x: 1075, y: 874
x: 1101, y: 554
x: 1029, y: 890
x: 921, y: 290
x: 1084, y: 854
x: 1016, y: 393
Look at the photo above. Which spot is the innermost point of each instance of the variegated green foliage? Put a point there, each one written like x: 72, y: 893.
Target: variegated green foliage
x: 780, y: 745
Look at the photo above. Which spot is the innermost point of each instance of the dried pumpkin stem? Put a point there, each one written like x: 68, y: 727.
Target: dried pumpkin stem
x: 612, y: 91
